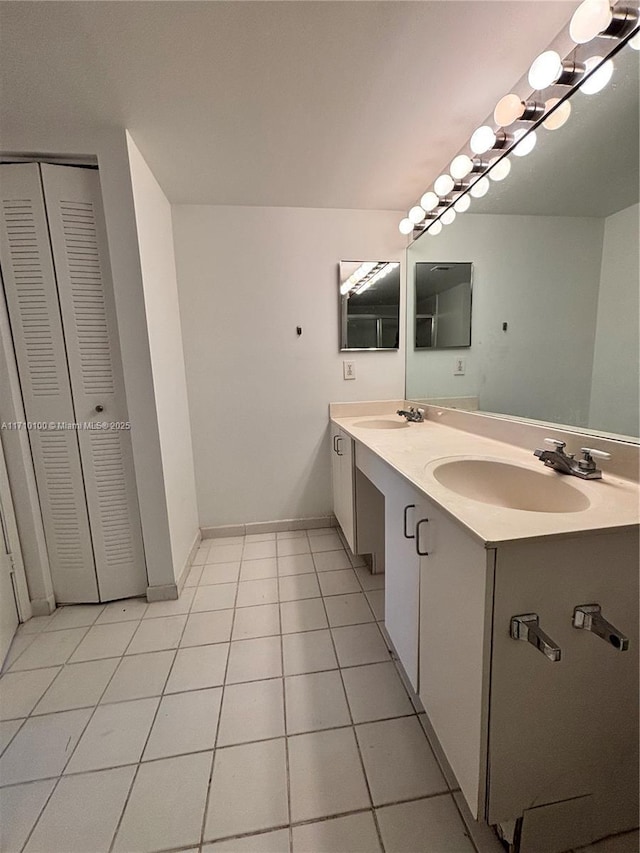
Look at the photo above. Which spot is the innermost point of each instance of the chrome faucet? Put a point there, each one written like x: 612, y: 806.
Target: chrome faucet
x: 414, y: 415
x: 565, y: 463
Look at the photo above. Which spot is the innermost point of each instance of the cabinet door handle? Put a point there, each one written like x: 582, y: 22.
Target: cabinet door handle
x: 589, y: 617
x: 417, y: 538
x: 338, y: 451
x: 526, y: 627
x: 335, y: 438
x: 408, y: 535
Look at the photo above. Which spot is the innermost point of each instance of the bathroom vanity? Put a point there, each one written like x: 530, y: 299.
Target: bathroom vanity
x: 493, y: 566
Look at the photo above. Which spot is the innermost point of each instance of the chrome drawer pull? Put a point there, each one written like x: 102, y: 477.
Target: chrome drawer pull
x: 526, y: 627
x: 589, y: 617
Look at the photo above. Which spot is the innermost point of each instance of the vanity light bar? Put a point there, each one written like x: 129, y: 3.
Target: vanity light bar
x: 451, y: 193
x: 384, y: 271
x: 357, y: 276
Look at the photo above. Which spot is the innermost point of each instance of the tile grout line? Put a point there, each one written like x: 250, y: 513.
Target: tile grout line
x: 207, y: 796
x: 355, y: 736
x: 284, y: 710
x: 153, y: 721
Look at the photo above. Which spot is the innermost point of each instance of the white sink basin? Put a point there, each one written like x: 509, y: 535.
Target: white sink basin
x: 513, y: 486
x: 381, y: 424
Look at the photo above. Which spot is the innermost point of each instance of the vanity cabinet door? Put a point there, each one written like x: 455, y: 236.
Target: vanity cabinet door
x: 456, y: 589
x: 342, y: 480
x: 566, y: 729
x: 402, y: 573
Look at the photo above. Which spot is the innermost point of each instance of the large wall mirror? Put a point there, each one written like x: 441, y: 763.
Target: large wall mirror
x: 369, y: 305
x: 555, y: 252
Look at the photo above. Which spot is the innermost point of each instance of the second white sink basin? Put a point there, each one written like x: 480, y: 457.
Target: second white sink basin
x: 379, y: 423
x: 512, y: 486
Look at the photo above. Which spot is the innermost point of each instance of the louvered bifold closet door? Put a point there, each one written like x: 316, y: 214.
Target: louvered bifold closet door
x: 34, y: 313
x: 80, y: 254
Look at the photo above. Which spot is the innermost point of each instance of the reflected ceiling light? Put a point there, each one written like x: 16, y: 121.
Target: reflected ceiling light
x: 599, y: 79
x: 589, y: 20
x: 525, y: 142
x: 429, y: 201
x: 559, y: 116
x: 635, y: 42
x: 435, y: 229
x: 463, y: 204
x: 461, y: 166
x: 382, y: 273
x: 512, y: 108
x: 448, y: 216
x: 480, y: 188
x: 500, y: 171
x: 443, y: 185
x: 405, y: 226
x: 416, y: 214
x: 482, y: 140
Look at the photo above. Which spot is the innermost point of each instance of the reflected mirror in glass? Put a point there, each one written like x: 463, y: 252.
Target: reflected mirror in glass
x: 369, y: 305
x: 443, y: 305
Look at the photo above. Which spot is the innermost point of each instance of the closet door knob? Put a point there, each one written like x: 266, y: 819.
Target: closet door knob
x: 99, y: 408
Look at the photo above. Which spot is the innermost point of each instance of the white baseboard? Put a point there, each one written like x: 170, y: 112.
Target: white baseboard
x: 166, y: 592
x: 43, y: 606
x: 269, y: 526
x: 189, y: 562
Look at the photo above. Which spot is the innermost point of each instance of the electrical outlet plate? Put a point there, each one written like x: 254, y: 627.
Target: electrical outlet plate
x: 458, y: 369
x: 349, y: 369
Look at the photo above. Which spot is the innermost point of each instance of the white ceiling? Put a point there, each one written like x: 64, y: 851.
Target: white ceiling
x: 311, y: 104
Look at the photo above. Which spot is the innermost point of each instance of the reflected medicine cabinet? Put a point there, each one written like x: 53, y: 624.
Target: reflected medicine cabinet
x: 443, y: 305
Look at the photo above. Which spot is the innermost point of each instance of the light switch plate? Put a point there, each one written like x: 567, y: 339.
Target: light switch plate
x: 459, y: 366
x: 348, y: 369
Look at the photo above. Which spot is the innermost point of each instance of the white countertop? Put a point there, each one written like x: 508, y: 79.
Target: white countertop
x: 614, y: 501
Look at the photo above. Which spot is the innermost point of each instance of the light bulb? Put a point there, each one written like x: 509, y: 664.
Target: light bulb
x: 590, y: 18
x: 599, y: 79
x: 435, y: 229
x: 525, y: 142
x: 429, y: 201
x: 480, y: 188
x: 461, y: 166
x: 635, y: 42
x: 545, y: 70
x: 448, y: 216
x: 463, y: 203
x: 483, y: 139
x: 559, y: 116
x: 500, y: 171
x: 443, y: 185
x: 416, y: 214
x: 508, y: 109
x: 406, y: 226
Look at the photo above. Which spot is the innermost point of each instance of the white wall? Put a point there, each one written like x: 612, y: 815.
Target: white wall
x: 615, y: 406
x: 258, y: 393
x: 540, y: 274
x: 155, y: 240
x: 109, y: 145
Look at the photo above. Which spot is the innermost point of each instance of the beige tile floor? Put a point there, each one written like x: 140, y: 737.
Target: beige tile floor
x: 260, y: 713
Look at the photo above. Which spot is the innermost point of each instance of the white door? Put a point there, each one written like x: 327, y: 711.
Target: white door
x: 8, y: 604
x: 402, y: 572
x: 32, y: 301
x: 63, y: 321
x: 81, y: 259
